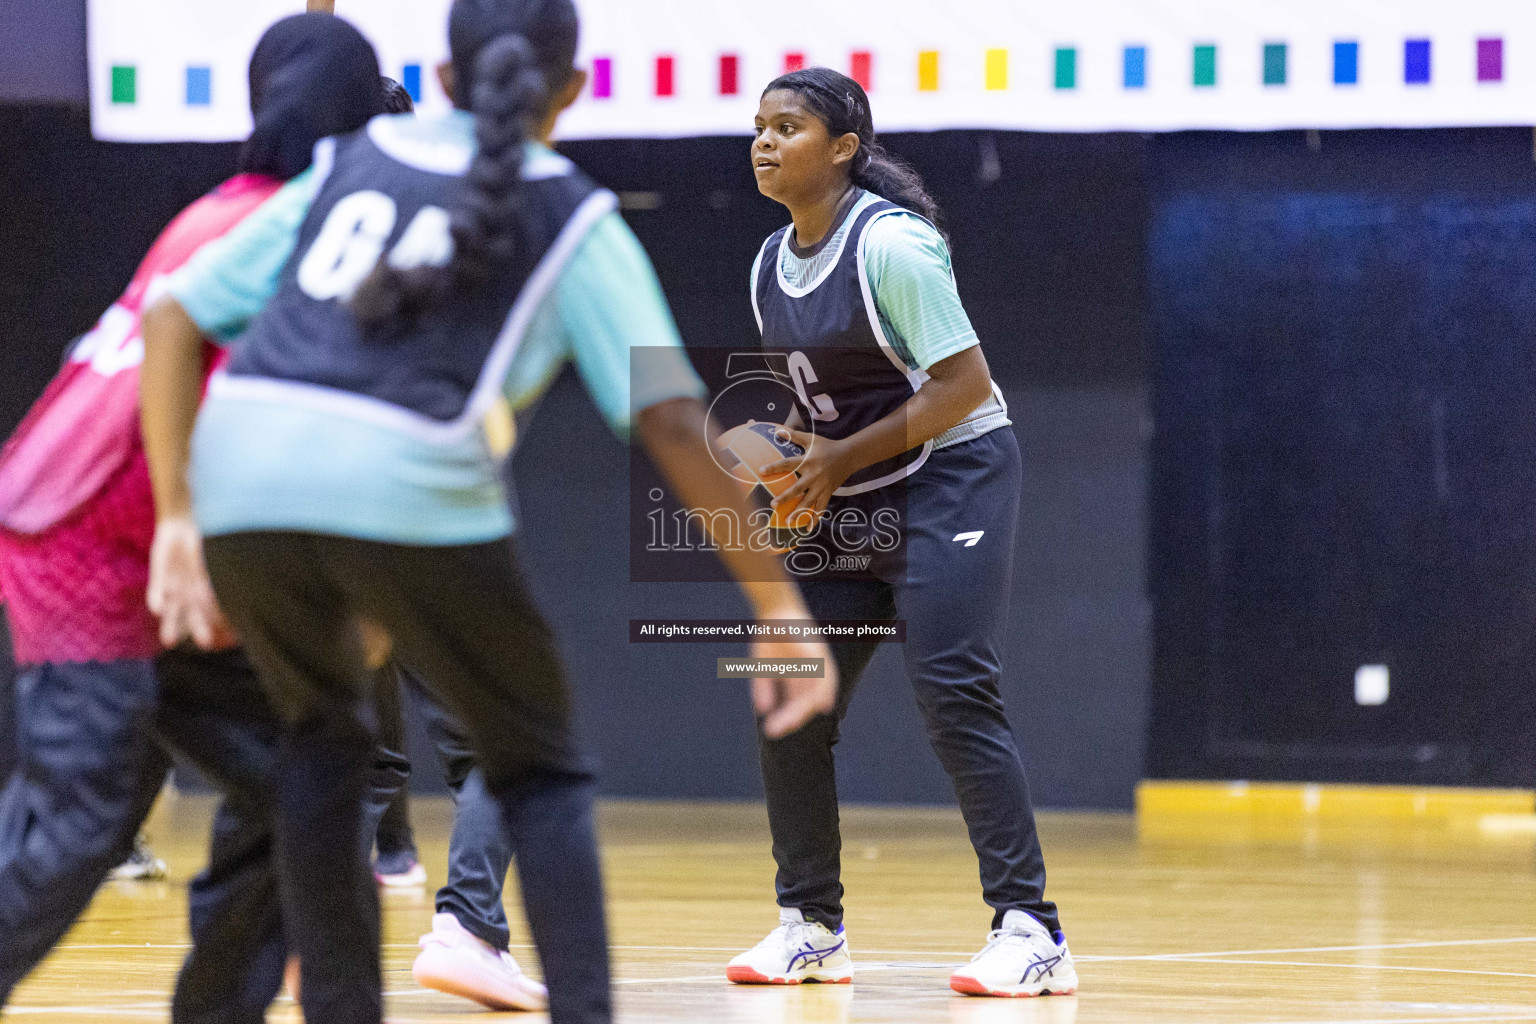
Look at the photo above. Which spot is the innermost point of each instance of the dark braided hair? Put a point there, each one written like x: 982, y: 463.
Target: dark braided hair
x: 510, y: 57
x: 841, y: 104
x: 396, y: 99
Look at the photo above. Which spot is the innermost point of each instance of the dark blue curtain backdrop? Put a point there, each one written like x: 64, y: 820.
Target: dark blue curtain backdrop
x: 1344, y: 464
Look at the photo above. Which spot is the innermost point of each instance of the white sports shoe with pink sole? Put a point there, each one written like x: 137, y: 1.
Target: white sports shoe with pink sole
x: 461, y: 964
x: 795, y: 952
x: 1020, y: 959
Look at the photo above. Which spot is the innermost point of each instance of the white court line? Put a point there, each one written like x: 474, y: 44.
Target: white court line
x: 718, y: 976
x: 1087, y: 958
x: 1203, y: 958
x: 1316, y: 949
x: 406, y: 993
x: 867, y: 968
x: 1351, y: 967
x: 1143, y: 956
x: 943, y: 952
x: 147, y: 1009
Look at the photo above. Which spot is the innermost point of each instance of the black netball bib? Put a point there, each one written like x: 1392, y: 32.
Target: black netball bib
x: 846, y: 373
x: 385, y: 193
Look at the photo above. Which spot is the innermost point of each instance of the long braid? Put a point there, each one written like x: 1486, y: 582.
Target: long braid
x: 510, y: 97
x: 510, y: 57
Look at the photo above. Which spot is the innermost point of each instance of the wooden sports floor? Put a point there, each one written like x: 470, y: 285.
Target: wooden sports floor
x: 1185, y: 921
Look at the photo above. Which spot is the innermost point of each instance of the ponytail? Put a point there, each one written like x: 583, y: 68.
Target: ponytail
x: 841, y: 104
x: 876, y: 170
x: 509, y: 96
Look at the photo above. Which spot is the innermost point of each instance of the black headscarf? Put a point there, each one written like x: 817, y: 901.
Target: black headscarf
x: 312, y: 75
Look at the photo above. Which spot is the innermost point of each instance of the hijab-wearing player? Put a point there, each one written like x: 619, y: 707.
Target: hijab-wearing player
x: 858, y: 293
x: 98, y: 692
x: 426, y: 273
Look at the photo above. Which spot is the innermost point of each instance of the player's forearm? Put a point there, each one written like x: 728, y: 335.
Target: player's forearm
x: 170, y: 389
x: 676, y: 434
x: 941, y: 403
x: 934, y: 409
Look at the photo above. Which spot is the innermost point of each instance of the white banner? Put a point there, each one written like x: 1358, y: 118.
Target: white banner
x: 173, y: 70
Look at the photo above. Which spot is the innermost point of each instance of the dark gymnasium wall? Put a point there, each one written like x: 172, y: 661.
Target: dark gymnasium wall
x: 1272, y: 390
x: 1048, y: 249
x: 1343, y: 354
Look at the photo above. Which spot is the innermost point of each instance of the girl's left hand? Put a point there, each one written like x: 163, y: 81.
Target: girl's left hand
x: 180, y: 593
x: 823, y: 468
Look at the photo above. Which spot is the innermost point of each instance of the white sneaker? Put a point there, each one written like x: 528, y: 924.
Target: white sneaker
x: 454, y: 961
x: 797, y: 950
x: 141, y: 866
x: 1020, y: 959
x: 410, y: 876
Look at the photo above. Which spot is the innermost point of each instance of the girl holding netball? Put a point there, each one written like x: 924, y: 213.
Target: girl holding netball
x: 900, y: 417
x: 423, y: 276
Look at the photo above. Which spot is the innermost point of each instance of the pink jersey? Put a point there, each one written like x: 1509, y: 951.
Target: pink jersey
x: 76, y: 510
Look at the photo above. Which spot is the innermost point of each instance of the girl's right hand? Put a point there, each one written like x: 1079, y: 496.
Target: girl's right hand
x: 180, y: 593
x: 786, y: 705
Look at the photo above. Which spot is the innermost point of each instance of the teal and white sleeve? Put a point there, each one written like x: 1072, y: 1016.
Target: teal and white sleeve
x: 618, y: 329
x: 229, y: 280
x: 907, y: 263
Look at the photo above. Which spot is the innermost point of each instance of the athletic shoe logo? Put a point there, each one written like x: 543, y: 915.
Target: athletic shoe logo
x: 1045, y: 965
x: 813, y: 956
x: 970, y: 538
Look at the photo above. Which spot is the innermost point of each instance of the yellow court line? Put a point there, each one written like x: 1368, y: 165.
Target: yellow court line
x: 1155, y: 797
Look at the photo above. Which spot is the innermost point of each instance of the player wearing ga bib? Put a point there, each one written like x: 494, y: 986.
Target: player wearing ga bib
x: 387, y: 440
x: 898, y: 414
x: 324, y: 450
x: 427, y: 276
